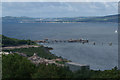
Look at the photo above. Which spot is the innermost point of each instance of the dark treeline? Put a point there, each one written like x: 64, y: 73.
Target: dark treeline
x: 6, y: 41
x: 15, y: 66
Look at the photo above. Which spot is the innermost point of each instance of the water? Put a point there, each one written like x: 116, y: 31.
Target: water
x: 99, y: 56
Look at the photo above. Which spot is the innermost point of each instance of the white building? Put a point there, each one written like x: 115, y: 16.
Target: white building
x: 76, y: 66
x: 6, y: 53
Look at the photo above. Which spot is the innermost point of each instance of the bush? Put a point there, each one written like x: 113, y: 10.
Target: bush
x: 6, y: 41
x: 15, y: 66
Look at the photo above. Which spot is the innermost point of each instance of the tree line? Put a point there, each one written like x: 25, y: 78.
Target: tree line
x: 15, y: 66
x: 6, y: 41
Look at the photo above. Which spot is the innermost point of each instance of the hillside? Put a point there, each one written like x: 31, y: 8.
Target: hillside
x: 109, y: 18
x: 6, y: 41
x: 21, y: 68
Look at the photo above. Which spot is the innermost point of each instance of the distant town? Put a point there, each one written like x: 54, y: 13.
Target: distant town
x: 110, y: 18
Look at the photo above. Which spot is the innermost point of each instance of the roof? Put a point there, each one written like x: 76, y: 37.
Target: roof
x: 4, y: 52
x: 77, y: 64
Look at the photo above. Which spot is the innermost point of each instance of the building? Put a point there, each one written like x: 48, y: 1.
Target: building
x: 36, y: 59
x: 76, y: 66
x: 5, y: 53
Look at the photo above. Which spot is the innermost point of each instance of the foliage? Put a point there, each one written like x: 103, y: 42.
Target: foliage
x: 41, y: 51
x: 52, y: 71
x: 15, y: 66
x: 6, y: 41
x: 83, y: 73
x: 114, y: 73
x: 60, y: 62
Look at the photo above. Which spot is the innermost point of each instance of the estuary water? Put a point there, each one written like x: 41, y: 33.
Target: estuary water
x: 100, y: 56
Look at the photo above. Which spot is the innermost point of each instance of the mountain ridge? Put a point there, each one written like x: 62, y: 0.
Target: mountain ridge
x: 108, y: 18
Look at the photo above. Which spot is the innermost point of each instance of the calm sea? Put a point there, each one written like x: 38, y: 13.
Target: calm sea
x: 100, y: 56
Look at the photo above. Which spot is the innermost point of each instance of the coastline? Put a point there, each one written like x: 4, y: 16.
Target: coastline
x: 67, y: 22
x: 59, y: 61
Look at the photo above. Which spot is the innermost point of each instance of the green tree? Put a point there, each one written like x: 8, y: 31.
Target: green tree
x: 15, y: 66
x: 52, y: 71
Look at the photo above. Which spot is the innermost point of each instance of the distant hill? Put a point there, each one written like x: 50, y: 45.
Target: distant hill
x: 11, y: 19
x: 110, y: 18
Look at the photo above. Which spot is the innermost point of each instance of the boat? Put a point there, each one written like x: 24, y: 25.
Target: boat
x: 116, y: 31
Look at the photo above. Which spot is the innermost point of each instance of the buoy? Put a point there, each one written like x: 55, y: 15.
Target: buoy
x: 94, y: 43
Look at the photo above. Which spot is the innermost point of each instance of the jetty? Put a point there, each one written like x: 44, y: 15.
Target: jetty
x: 62, y: 41
x: 83, y: 41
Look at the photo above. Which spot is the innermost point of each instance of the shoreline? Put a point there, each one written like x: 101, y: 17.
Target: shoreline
x: 59, y: 61
x: 67, y: 22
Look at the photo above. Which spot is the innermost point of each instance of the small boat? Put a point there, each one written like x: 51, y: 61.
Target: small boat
x: 116, y: 31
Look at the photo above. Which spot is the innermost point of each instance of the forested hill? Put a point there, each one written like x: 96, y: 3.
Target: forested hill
x: 6, y: 41
x: 109, y: 18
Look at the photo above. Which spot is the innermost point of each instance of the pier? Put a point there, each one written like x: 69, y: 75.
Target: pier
x: 62, y: 41
x: 83, y: 41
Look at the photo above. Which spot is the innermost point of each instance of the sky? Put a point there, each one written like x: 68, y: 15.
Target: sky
x: 59, y: 9
x: 60, y: 0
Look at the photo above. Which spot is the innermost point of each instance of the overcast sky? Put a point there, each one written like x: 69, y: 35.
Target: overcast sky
x: 59, y: 9
x: 60, y: 0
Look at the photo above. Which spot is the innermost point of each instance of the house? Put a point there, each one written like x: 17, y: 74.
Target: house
x: 36, y: 59
x: 76, y: 66
x: 6, y: 53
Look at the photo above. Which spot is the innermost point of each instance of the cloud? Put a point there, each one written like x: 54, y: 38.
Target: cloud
x: 59, y: 9
x: 60, y: 0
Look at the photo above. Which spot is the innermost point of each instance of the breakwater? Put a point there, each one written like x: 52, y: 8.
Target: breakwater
x: 61, y: 41
x: 83, y: 41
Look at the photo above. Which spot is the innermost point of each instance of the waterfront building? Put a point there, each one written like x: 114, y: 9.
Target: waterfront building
x: 76, y: 66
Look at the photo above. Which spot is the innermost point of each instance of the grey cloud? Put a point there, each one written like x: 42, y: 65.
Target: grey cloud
x: 58, y: 9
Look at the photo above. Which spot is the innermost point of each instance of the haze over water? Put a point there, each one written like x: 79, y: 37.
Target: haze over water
x: 99, y: 56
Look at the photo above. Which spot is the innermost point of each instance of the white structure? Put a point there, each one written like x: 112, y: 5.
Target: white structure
x: 116, y: 31
x: 6, y: 53
x: 76, y: 66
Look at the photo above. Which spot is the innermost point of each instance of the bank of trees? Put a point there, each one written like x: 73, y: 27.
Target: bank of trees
x: 6, y: 41
x: 15, y: 66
